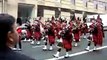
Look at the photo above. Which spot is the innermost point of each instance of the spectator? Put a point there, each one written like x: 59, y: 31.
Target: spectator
x: 8, y: 38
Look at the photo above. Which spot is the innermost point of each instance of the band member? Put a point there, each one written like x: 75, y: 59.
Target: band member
x: 58, y: 29
x: 66, y: 36
x: 29, y: 31
x: 50, y: 31
x: 100, y: 34
x: 45, y: 35
x: 80, y: 26
x: 36, y: 32
x: 76, y: 32
x: 89, y: 37
x: 33, y: 30
x: 84, y: 29
x: 94, y: 30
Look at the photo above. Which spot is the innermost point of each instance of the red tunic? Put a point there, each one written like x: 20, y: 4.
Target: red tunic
x: 28, y: 34
x: 76, y: 32
x: 67, y: 39
x: 99, y: 35
x: 84, y: 28
x: 51, y: 35
x: 51, y: 39
x: 67, y: 44
x: 37, y: 33
x: 76, y: 35
x: 19, y: 30
x: 94, y: 33
x: 29, y: 31
x: 58, y: 29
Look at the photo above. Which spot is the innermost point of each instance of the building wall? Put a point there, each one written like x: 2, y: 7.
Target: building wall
x: 49, y: 13
x: 12, y: 6
x: 91, y: 7
x: 79, y: 5
x: 0, y: 7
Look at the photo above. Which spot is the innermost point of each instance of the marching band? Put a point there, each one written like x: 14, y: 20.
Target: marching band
x: 63, y: 33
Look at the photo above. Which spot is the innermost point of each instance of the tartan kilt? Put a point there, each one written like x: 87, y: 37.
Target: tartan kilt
x: 51, y: 39
x: 28, y: 34
x: 37, y: 35
x: 67, y: 44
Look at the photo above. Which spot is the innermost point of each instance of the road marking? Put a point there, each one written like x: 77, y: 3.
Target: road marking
x: 78, y: 53
x: 37, y: 46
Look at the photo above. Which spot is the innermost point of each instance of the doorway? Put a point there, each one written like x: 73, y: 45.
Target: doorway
x: 25, y: 11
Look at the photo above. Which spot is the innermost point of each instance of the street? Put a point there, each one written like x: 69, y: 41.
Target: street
x: 77, y: 53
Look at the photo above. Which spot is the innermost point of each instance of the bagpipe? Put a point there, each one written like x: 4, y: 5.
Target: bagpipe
x: 75, y: 28
x: 94, y: 30
x: 66, y: 33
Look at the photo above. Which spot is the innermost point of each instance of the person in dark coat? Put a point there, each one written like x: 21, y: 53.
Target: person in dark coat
x: 19, y: 29
x: 8, y: 38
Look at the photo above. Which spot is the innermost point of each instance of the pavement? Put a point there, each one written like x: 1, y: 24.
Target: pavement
x: 78, y: 53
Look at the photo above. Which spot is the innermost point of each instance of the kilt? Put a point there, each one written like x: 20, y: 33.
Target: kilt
x: 37, y: 35
x: 94, y: 37
x: 76, y: 37
x: 28, y: 34
x: 51, y: 39
x: 67, y: 44
x: 100, y: 38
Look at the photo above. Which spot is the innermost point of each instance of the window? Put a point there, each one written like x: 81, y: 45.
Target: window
x: 85, y: 2
x: 95, y: 4
x: 90, y: 0
x: 73, y: 2
x: 105, y: 6
x: 101, y: 5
